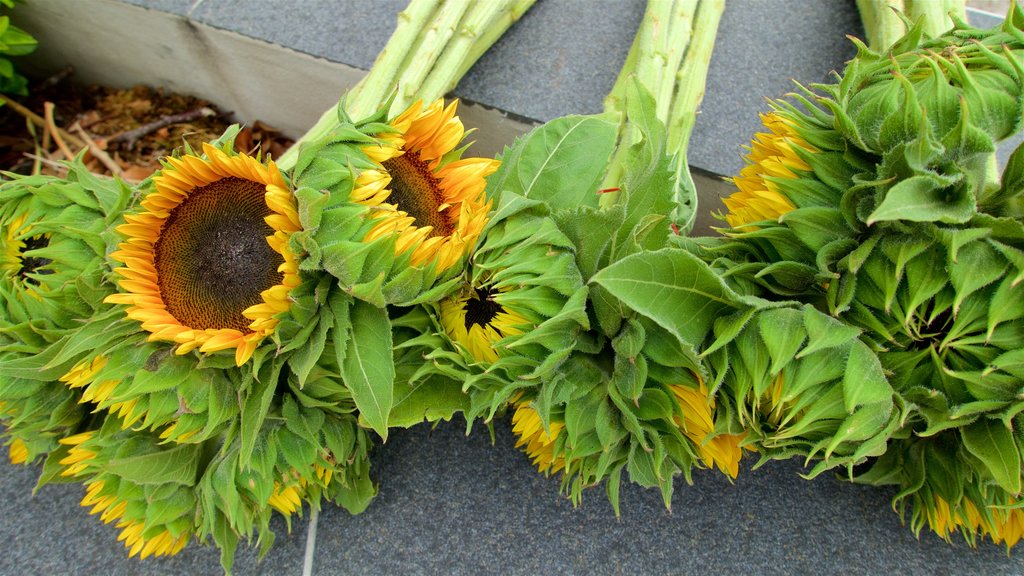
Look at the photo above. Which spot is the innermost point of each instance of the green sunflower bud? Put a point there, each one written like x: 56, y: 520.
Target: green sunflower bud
x: 147, y: 488
x: 517, y: 315
x: 803, y: 384
x: 52, y: 262
x: 940, y: 483
x: 879, y: 203
x: 600, y: 417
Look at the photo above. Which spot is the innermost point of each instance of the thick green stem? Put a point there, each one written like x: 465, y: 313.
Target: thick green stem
x: 380, y: 81
x: 653, y: 43
x: 615, y: 101
x: 882, y: 27
x: 691, y: 78
x: 691, y: 82
x: 681, y: 29
x: 376, y: 85
x: 445, y: 74
x: 427, y: 51
x: 492, y: 33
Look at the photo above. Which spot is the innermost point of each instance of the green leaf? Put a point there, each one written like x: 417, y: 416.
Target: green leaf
x: 647, y: 183
x: 17, y: 42
x: 816, y: 226
x: 673, y: 288
x: 307, y: 355
x: 977, y: 265
x: 864, y: 381
x: 431, y: 400
x: 177, y: 465
x: 369, y: 368
x: 357, y: 494
x: 782, y: 333
x: 561, y: 163
x: 255, y: 405
x: 925, y: 198
x: 992, y: 443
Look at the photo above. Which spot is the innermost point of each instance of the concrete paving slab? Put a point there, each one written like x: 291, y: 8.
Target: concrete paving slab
x: 452, y: 504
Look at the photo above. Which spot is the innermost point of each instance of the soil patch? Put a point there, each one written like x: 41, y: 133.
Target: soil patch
x: 125, y: 132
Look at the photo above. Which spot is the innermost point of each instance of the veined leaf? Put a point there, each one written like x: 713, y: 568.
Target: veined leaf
x: 368, y: 367
x: 673, y: 288
x: 992, y: 443
x: 864, y: 381
x: 177, y: 465
x: 561, y: 163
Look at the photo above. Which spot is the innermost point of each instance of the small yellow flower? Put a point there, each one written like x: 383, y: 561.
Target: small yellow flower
x: 773, y: 155
x: 476, y: 321
x: 207, y: 264
x: 14, y: 263
x: 539, y: 443
x: 163, y: 543
x: 434, y: 208
x: 78, y: 457
x: 286, y: 499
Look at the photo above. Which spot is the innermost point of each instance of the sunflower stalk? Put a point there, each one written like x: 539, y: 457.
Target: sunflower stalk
x: 433, y: 46
x: 670, y: 57
x: 492, y: 33
x: 431, y: 43
x: 459, y: 54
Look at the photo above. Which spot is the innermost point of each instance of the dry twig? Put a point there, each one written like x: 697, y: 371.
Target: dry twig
x: 57, y: 136
x: 98, y: 152
x: 131, y: 136
x: 39, y: 120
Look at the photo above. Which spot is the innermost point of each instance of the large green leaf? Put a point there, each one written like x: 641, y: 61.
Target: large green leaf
x: 436, y: 398
x: 561, y: 163
x: 673, y: 288
x: 368, y: 367
x: 864, y: 381
x: 925, y: 198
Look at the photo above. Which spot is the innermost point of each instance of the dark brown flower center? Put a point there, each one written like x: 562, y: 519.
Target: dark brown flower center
x: 34, y: 264
x: 481, y: 309
x: 212, y: 258
x: 417, y: 192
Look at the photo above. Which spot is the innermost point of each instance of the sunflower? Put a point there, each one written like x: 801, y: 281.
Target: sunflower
x: 207, y: 263
x: 477, y: 321
x: 286, y: 499
x: 721, y: 450
x: 83, y: 375
x: 537, y: 441
x: 773, y: 155
x: 433, y: 206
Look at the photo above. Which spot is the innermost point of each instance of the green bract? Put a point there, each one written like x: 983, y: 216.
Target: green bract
x: 801, y: 384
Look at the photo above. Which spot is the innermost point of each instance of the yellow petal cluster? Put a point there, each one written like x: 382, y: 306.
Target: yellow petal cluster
x: 772, y: 155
